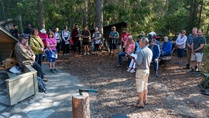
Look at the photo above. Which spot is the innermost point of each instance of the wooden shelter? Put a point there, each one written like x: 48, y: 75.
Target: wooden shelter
x: 7, y: 44
x: 120, y: 27
x: 18, y: 86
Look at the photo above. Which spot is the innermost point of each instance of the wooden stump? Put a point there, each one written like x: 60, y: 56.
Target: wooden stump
x: 80, y: 105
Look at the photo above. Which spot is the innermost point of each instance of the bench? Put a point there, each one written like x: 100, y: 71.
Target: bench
x: 20, y: 87
x: 165, y: 60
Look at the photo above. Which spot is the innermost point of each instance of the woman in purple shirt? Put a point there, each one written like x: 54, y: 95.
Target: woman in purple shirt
x: 52, y: 54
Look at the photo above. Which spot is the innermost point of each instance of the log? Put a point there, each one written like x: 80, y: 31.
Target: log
x: 80, y: 105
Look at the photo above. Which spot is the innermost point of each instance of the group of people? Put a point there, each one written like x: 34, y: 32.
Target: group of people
x: 149, y: 51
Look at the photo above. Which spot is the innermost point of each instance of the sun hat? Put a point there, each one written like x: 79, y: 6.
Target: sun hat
x: 43, y: 31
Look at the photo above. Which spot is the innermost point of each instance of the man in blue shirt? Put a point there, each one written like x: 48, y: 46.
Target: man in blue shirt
x: 155, y: 55
x: 190, y: 39
x: 166, y: 47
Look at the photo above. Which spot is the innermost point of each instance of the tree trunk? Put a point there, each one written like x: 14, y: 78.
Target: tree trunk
x: 41, y: 19
x: 99, y: 15
x: 200, y: 14
x: 80, y: 106
x: 20, y: 22
x: 85, y: 13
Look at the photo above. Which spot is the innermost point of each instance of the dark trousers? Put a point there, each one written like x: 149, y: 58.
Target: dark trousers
x: 77, y: 44
x: 96, y: 47
x: 66, y: 48
x: 39, y: 58
x: 37, y: 67
x: 155, y: 65
x: 58, y: 47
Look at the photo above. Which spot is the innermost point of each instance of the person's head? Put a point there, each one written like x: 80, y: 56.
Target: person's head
x: 34, y: 32
x: 85, y: 27
x: 50, y: 34
x: 127, y: 30
x: 113, y: 28
x: 153, y: 42
x: 129, y: 38
x: 24, y: 38
x: 194, y: 30
x: 29, y: 26
x: 56, y: 29
x: 96, y: 29
x: 14, y: 26
x: 183, y: 32
x: 166, y: 39
x: 143, y: 42
x: 200, y: 32
x: 76, y: 26
x: 66, y: 28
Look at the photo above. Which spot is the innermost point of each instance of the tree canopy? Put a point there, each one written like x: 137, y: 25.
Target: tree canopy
x: 166, y: 17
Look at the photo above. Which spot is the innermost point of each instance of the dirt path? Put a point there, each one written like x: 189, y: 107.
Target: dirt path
x: 173, y: 94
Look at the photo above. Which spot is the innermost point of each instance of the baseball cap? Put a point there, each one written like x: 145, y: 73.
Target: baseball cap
x: 25, y: 36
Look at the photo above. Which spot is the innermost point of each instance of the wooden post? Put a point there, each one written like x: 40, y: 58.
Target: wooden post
x: 80, y: 105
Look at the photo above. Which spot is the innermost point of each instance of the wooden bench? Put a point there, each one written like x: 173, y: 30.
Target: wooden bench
x: 21, y: 86
x: 165, y: 60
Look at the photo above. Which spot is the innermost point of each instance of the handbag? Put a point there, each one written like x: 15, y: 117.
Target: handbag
x: 55, y: 55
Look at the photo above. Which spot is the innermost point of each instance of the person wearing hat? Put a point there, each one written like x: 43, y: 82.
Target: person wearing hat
x: 14, y: 31
x: 155, y: 55
x: 42, y: 34
x: 25, y: 55
x: 129, y: 46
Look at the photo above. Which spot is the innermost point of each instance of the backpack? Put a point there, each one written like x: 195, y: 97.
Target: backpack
x: 41, y: 85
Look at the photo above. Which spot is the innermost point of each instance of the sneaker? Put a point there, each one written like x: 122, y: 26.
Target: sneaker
x: 67, y: 53
x: 119, y: 65
x: 51, y: 70
x: 56, y: 70
x: 84, y: 54
x: 187, y: 66
x: 191, y: 71
x: 88, y: 53
x: 156, y: 74
x: 45, y: 79
x: 64, y: 54
x: 132, y: 71
x: 129, y: 69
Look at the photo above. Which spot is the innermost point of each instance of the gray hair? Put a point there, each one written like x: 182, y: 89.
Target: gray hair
x: 145, y: 40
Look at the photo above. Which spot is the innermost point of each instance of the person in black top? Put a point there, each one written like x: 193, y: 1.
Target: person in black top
x: 28, y: 30
x: 86, y: 35
x: 75, y: 38
x: 14, y: 31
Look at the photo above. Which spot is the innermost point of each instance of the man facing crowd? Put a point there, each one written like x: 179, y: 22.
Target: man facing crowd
x: 144, y: 58
x: 25, y: 55
x: 197, y: 51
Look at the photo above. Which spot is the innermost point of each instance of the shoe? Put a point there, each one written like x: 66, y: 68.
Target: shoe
x: 84, y: 54
x: 56, y: 70
x: 64, y: 54
x: 45, y: 79
x: 132, y: 71
x: 119, y: 65
x: 129, y: 69
x: 156, y: 74
x: 191, y: 71
x: 67, y: 53
x: 88, y: 53
x: 51, y: 70
x: 187, y: 66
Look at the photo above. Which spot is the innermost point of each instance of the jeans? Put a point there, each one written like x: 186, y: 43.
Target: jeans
x: 77, y: 44
x: 39, y: 58
x: 156, y: 64
x: 166, y: 54
x: 37, y: 67
x: 120, y: 55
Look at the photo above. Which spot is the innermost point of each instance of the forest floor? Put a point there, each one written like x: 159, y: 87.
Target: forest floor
x: 173, y: 94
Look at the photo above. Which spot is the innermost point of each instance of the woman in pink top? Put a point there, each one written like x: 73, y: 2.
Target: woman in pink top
x: 51, y: 46
x: 129, y: 46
